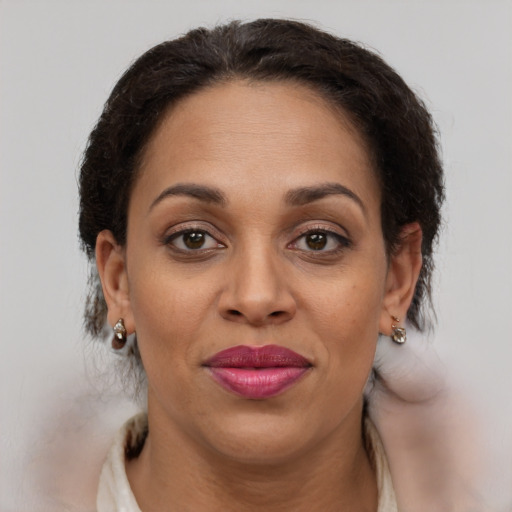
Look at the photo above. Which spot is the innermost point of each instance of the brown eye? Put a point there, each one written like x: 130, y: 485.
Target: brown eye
x: 193, y: 240
x: 323, y: 241
x: 316, y: 241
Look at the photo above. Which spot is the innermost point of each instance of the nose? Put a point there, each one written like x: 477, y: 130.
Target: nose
x: 258, y: 292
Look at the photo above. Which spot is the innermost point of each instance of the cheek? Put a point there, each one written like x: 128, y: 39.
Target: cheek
x: 168, y: 315
x: 346, y: 319
x: 349, y: 302
x: 169, y: 318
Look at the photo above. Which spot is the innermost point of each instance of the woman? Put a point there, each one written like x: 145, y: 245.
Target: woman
x: 261, y: 201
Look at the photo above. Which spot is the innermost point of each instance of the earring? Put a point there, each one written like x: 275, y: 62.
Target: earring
x: 398, y: 334
x: 119, y: 339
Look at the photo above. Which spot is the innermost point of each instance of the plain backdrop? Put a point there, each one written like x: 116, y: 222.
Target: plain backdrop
x: 58, y: 62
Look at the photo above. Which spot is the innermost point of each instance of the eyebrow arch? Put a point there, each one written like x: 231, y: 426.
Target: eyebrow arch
x: 201, y: 192
x: 304, y: 195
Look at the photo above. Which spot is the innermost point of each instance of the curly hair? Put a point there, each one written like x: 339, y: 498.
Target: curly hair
x: 395, y: 123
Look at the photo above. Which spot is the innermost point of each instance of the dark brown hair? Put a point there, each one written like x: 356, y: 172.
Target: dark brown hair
x: 395, y: 123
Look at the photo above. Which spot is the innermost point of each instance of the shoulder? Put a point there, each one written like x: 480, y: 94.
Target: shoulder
x: 375, y: 449
x: 114, y: 492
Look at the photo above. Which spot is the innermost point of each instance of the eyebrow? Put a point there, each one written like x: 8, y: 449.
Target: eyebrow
x: 304, y: 195
x: 201, y: 192
x: 295, y: 197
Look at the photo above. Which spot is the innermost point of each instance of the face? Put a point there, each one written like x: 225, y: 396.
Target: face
x: 254, y: 222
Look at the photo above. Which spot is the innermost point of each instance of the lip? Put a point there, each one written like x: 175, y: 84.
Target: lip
x: 257, y: 372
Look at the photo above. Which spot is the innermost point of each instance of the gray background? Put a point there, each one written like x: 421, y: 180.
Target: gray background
x: 58, y: 62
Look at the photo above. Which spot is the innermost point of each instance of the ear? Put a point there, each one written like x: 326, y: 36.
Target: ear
x: 403, y: 272
x: 111, y: 264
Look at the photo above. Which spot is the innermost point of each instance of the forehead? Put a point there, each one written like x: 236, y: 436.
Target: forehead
x: 260, y: 134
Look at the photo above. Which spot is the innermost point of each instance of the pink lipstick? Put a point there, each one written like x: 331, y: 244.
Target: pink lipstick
x: 257, y: 372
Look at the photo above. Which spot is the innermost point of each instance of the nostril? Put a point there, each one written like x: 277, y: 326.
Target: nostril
x: 276, y: 313
x: 234, y: 312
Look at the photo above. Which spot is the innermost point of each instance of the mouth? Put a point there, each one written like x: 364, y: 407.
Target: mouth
x: 257, y: 372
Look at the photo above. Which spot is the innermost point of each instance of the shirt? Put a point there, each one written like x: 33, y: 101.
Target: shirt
x: 115, y: 494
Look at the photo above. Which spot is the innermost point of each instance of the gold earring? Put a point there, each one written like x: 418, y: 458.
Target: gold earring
x: 119, y: 339
x: 398, y: 334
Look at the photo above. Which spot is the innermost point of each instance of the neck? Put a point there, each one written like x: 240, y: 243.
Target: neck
x: 175, y: 473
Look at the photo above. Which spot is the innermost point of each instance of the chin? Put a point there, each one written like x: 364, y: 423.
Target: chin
x: 267, y: 437
x: 262, y: 441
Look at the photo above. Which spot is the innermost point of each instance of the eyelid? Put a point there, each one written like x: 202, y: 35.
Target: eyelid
x: 184, y: 227
x: 343, y: 239
x: 319, y: 226
x: 208, y: 240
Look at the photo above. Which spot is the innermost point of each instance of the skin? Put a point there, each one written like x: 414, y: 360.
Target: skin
x: 259, y: 278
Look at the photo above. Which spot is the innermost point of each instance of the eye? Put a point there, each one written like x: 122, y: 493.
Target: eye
x: 193, y: 240
x: 320, y: 240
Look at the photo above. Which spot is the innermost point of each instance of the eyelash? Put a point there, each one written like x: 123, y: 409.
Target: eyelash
x: 341, y: 241
x: 168, y: 240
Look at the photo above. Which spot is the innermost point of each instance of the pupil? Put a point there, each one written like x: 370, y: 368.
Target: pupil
x: 316, y: 241
x: 194, y: 239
